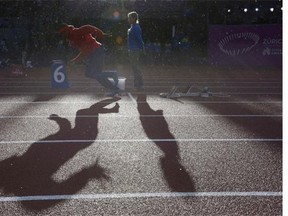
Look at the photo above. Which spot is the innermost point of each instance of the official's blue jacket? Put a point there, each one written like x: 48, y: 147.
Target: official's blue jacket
x: 135, y: 41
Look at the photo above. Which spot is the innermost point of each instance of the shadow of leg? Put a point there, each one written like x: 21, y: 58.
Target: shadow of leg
x: 176, y: 175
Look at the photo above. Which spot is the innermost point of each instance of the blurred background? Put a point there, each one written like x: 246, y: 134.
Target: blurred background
x: 174, y: 31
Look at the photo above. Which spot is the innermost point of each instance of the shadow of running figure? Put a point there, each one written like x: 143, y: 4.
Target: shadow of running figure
x: 31, y: 173
x: 157, y: 129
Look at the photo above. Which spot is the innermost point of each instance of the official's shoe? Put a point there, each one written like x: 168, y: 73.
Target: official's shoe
x: 139, y: 89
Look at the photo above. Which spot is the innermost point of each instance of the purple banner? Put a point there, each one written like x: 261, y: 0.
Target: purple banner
x: 253, y: 45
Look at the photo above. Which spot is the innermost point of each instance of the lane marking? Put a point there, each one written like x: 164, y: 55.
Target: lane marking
x: 147, y: 116
x: 140, y: 195
x: 149, y: 86
x: 134, y: 140
x: 184, y: 80
x: 147, y: 92
x: 152, y: 102
x: 132, y: 98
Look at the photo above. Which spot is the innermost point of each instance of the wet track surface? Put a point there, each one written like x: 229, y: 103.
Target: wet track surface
x: 77, y: 152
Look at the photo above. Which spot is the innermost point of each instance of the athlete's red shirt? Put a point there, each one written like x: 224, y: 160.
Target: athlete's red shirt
x: 82, y: 39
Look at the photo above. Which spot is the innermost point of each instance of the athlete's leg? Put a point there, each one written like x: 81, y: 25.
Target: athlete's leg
x: 94, y: 70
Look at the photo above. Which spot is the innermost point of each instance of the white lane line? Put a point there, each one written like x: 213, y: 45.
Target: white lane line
x: 135, y: 140
x: 147, y: 92
x: 132, y: 98
x: 52, y: 93
x: 150, y: 102
x: 148, y: 116
x: 141, y: 195
x: 146, y: 86
x: 184, y: 80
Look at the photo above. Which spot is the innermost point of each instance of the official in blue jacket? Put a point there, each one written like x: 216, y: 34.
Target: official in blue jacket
x: 135, y: 47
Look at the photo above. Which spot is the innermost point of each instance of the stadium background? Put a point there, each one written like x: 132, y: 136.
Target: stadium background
x: 171, y: 28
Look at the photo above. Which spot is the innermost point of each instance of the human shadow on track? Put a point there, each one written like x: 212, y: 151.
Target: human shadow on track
x: 31, y: 174
x: 157, y: 129
x: 41, y: 98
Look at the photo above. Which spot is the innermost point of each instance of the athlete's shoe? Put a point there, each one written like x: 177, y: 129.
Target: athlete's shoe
x: 114, y: 93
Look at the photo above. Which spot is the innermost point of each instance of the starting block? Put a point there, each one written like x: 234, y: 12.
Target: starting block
x: 205, y: 92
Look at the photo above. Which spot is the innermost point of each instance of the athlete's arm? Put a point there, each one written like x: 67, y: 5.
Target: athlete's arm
x: 89, y: 29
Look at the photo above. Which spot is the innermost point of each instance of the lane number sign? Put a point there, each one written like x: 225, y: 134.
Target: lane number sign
x: 58, y: 75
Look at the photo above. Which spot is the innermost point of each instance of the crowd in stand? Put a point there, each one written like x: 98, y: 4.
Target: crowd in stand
x: 28, y: 29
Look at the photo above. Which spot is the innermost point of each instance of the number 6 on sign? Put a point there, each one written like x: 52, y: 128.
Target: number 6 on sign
x: 58, y: 78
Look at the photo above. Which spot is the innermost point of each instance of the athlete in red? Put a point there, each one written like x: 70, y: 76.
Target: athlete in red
x: 91, y: 50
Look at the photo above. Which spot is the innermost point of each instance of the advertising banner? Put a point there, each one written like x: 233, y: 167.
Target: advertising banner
x: 249, y: 45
